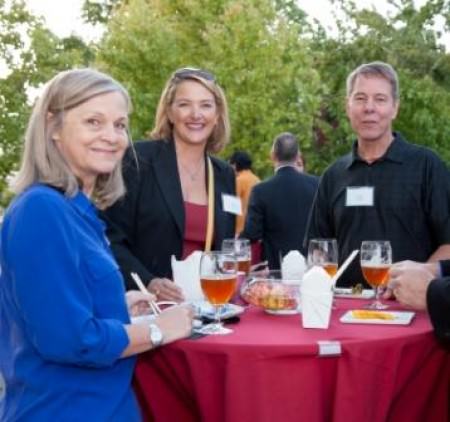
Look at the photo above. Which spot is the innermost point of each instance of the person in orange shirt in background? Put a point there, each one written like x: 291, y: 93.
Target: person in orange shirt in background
x: 245, y: 180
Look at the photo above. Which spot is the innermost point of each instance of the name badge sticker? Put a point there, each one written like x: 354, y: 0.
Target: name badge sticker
x: 359, y: 196
x: 231, y: 204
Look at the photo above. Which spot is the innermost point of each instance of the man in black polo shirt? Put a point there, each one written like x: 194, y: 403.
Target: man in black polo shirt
x: 385, y: 188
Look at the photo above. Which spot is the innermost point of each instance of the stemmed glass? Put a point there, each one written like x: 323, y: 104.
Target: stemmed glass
x: 323, y: 253
x: 241, y: 249
x: 218, y: 275
x: 376, y: 259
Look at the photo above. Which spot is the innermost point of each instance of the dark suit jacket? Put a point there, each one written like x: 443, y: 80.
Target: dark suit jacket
x: 278, y: 213
x: 146, y: 227
x: 438, y: 300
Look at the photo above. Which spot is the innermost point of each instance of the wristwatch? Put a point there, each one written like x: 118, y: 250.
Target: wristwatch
x: 156, y: 335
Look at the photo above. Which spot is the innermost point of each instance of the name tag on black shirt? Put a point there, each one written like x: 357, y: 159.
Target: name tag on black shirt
x: 361, y: 196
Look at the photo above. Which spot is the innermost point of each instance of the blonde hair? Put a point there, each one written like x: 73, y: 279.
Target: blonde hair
x: 42, y: 162
x: 163, y: 128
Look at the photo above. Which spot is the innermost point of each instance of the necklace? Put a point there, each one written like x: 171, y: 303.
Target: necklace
x: 193, y: 175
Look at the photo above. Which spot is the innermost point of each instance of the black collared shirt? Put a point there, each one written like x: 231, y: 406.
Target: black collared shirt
x: 411, y: 204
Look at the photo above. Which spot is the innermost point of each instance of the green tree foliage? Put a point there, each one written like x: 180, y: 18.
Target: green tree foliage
x: 14, y: 21
x: 278, y: 71
x: 254, y: 50
x: 30, y: 54
x: 96, y: 12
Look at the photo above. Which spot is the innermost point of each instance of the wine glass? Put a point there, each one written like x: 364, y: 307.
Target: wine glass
x: 323, y: 253
x: 241, y: 249
x: 218, y: 276
x: 376, y: 259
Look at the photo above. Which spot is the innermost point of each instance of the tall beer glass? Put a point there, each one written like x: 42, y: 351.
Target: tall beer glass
x: 376, y: 259
x: 218, y: 275
x: 323, y: 253
x: 242, y: 250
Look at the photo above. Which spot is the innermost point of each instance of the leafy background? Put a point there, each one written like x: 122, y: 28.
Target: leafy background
x: 279, y: 71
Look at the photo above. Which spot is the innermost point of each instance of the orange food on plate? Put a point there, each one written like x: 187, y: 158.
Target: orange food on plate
x: 360, y: 314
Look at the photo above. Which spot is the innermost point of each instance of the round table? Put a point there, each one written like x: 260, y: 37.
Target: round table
x: 270, y: 369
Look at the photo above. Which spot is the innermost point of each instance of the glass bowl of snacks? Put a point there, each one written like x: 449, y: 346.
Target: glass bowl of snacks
x: 270, y: 291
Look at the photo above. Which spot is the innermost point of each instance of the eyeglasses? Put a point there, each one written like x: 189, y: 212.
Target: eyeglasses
x: 187, y: 72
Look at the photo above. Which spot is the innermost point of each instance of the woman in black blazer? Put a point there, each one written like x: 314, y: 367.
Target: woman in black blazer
x: 168, y: 181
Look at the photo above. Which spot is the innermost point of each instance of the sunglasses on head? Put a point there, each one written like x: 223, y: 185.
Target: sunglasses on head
x: 187, y: 72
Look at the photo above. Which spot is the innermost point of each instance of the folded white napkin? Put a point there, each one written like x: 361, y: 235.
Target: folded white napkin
x: 317, y: 298
x: 293, y: 266
x: 186, y: 274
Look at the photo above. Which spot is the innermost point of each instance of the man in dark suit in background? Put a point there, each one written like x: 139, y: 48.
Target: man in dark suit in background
x: 279, y: 206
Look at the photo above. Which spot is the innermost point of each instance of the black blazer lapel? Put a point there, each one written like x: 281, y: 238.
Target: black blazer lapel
x: 218, y: 219
x: 166, y: 171
x: 220, y: 216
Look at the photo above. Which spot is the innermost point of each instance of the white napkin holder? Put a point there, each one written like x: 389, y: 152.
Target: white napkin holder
x: 293, y: 266
x: 317, y: 298
x: 186, y: 274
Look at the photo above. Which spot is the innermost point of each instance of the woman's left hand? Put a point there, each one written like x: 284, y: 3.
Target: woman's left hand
x: 166, y: 289
x: 137, y: 302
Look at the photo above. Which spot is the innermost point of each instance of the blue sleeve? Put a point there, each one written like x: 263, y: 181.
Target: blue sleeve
x: 50, y: 289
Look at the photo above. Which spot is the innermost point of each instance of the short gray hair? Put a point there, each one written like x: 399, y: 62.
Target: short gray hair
x: 285, y: 147
x: 42, y: 162
x: 377, y: 69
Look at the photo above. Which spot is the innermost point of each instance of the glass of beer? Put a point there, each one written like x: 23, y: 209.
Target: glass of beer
x: 323, y: 253
x: 376, y: 259
x: 218, y: 277
x: 242, y: 250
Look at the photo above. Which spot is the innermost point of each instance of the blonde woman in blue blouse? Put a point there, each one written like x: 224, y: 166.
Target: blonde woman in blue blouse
x: 66, y: 343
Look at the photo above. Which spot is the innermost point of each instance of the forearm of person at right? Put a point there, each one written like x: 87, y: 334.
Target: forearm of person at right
x: 438, y: 301
x: 409, y: 282
x: 401, y: 271
x: 440, y: 254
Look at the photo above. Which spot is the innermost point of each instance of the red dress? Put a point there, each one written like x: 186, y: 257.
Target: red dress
x: 196, y: 218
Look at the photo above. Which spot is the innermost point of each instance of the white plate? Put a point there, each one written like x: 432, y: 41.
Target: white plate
x: 282, y: 311
x: 205, y: 309
x: 347, y: 293
x: 400, y: 318
x: 202, y: 309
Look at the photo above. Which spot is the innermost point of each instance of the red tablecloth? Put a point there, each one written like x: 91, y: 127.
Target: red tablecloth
x: 269, y: 370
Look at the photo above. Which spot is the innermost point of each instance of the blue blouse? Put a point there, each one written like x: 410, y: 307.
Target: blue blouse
x: 62, y: 310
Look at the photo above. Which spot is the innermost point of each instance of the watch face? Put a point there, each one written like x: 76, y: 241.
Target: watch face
x: 156, y: 336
